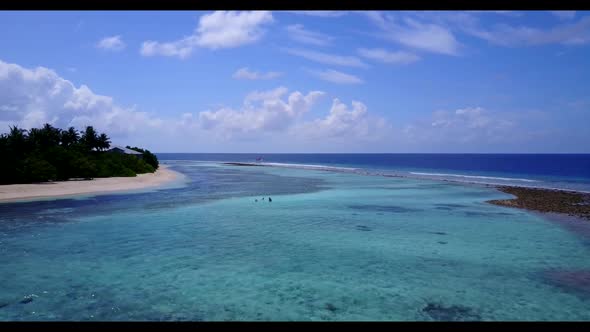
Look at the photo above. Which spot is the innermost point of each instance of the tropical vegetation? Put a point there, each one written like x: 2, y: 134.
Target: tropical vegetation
x: 52, y: 154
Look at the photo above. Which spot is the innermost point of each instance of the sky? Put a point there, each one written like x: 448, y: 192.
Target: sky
x: 304, y: 81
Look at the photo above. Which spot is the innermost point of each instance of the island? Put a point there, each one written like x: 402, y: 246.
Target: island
x: 51, y: 162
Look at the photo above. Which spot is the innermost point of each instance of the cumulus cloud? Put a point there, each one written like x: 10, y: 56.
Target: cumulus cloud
x: 381, y: 55
x: 327, y: 58
x: 113, y: 43
x: 337, y: 77
x: 342, y: 122
x: 262, y: 112
x: 220, y: 29
x: 32, y: 97
x: 298, y: 33
x: 279, y: 113
x: 246, y: 74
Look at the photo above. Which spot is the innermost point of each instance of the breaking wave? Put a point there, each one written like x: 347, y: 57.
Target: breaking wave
x: 473, y: 177
x: 447, y: 177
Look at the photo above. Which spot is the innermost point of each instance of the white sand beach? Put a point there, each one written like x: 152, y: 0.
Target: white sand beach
x: 18, y: 192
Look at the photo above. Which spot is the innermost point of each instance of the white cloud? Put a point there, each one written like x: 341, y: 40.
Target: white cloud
x: 428, y: 37
x: 338, y: 77
x: 344, y: 123
x: 379, y: 54
x: 32, y: 97
x: 568, y: 34
x: 246, y: 74
x: 571, y: 33
x: 113, y: 43
x: 466, y: 125
x: 412, y: 33
x: 321, y: 13
x: 181, y: 48
x: 564, y: 14
x: 262, y: 112
x: 274, y: 94
x: 36, y: 96
x: 230, y: 29
x: 329, y: 59
x: 298, y: 33
x: 473, y: 118
x: 278, y: 113
x: 220, y: 29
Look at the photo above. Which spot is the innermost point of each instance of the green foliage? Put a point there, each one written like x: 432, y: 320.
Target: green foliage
x: 147, y: 156
x: 38, y: 170
x: 69, y: 137
x: 49, y: 153
x: 89, y: 138
x: 82, y: 167
x: 103, y: 142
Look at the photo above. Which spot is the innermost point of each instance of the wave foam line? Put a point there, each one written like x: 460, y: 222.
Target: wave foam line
x: 304, y: 166
x: 474, y: 177
x: 460, y: 178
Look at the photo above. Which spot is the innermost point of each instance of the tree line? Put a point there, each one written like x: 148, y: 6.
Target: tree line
x: 52, y: 154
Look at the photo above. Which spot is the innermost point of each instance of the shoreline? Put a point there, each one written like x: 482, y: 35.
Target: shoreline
x: 13, y: 193
x: 550, y: 202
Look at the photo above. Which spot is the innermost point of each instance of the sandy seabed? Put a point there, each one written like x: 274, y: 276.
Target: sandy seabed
x: 18, y: 192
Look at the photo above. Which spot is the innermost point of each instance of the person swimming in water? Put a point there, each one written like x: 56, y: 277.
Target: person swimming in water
x: 270, y: 199
x: 256, y: 200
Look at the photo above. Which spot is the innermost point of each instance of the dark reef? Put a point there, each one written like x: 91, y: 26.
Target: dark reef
x: 240, y: 164
x: 547, y: 200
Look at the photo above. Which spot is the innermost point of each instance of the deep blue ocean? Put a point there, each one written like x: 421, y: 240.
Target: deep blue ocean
x: 562, y: 171
x: 345, y: 238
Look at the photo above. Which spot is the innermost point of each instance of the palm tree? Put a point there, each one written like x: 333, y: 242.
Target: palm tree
x: 16, y: 133
x: 35, y: 138
x: 17, y: 138
x: 15, y: 144
x: 50, y: 135
x: 90, y: 138
x: 103, y: 142
x: 69, y: 137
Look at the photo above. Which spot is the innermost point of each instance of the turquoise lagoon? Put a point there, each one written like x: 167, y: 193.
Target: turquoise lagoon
x: 330, y: 246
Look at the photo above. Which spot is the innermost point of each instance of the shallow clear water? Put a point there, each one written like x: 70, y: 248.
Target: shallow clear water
x: 330, y: 246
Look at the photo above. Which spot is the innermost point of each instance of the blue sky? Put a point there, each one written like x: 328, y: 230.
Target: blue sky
x: 281, y: 81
